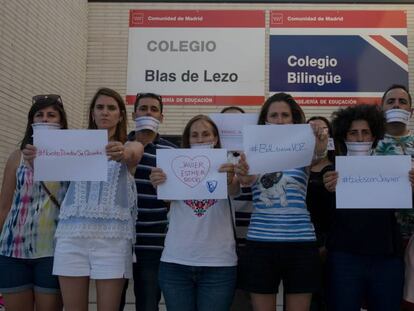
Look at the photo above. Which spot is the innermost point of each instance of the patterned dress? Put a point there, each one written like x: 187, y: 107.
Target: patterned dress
x: 29, y: 228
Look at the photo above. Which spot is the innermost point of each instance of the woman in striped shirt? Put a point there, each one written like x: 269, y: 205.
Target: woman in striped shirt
x: 281, y: 242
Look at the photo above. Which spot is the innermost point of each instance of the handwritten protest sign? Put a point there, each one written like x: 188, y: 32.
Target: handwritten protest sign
x: 373, y: 182
x: 72, y: 155
x: 192, y: 174
x: 230, y: 126
x: 272, y: 148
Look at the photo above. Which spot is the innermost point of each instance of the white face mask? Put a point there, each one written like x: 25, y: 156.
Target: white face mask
x: 202, y: 146
x: 397, y: 115
x: 358, y: 149
x: 147, y: 123
x: 46, y: 126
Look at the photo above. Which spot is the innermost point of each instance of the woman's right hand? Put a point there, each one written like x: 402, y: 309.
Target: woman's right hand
x: 157, y: 177
x: 29, y: 153
x: 330, y: 179
x: 242, y: 172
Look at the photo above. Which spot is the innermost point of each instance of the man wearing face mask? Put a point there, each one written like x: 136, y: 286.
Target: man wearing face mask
x: 151, y: 225
x: 399, y: 140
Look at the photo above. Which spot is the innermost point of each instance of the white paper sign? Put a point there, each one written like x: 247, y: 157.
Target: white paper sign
x: 192, y: 174
x: 70, y: 155
x: 230, y: 126
x: 373, y: 182
x: 272, y: 148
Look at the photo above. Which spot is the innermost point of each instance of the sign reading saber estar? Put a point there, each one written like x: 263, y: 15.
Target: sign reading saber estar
x: 197, y: 57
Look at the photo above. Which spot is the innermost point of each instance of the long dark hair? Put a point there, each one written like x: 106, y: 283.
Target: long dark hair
x: 121, y: 127
x: 40, y: 102
x: 343, y: 118
x: 186, y: 133
x: 298, y: 115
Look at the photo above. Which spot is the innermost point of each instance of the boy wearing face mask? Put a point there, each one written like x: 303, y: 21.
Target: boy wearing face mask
x: 399, y: 140
x: 151, y: 225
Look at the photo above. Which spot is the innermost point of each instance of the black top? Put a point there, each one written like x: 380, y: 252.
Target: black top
x: 364, y: 232
x: 321, y: 206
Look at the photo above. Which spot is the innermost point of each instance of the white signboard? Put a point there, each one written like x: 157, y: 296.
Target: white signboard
x: 373, y: 182
x: 273, y: 148
x: 230, y: 126
x: 70, y: 155
x: 214, y: 57
x: 192, y: 174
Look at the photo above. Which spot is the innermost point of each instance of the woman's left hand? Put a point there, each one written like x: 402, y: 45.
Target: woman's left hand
x: 321, y: 137
x: 229, y: 169
x: 115, y: 151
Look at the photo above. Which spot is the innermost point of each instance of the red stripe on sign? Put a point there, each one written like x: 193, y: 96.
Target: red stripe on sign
x: 206, y: 100
x: 338, y: 19
x: 391, y: 47
x: 196, y: 18
x: 337, y: 101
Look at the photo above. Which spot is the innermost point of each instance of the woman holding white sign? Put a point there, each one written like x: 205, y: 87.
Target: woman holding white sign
x: 28, y: 217
x: 198, y: 263
x: 281, y: 241
x: 97, y: 219
x: 364, y: 260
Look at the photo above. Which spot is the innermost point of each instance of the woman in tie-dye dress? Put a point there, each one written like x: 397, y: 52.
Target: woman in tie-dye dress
x: 28, y: 218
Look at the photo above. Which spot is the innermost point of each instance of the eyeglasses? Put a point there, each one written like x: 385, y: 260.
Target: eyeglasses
x: 51, y: 97
x: 151, y: 95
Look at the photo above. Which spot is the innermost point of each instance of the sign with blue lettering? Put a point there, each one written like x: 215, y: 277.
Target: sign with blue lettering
x: 337, y: 57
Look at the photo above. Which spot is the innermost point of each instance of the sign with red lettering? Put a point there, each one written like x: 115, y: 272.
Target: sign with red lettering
x: 197, y: 57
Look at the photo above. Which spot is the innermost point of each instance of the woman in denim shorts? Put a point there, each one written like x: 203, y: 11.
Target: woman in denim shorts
x: 28, y: 217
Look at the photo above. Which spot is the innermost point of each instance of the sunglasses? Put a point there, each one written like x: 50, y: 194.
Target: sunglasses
x: 50, y: 97
x: 150, y: 95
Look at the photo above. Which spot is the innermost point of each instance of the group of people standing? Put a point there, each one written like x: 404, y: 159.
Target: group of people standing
x: 274, y: 227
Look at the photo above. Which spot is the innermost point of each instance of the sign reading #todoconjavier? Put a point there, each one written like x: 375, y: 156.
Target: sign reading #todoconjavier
x: 337, y: 57
x: 197, y: 57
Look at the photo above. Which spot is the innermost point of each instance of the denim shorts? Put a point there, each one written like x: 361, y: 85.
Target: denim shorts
x: 17, y: 275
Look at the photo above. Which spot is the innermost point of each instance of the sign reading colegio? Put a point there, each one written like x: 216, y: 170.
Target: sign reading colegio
x: 337, y: 57
x: 211, y: 57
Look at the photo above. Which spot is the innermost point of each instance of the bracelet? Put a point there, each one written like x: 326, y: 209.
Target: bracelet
x: 322, y: 155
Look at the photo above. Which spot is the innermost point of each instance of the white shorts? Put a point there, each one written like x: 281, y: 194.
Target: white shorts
x: 97, y: 258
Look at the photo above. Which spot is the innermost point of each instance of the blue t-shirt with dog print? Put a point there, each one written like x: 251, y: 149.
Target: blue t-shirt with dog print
x: 279, y: 208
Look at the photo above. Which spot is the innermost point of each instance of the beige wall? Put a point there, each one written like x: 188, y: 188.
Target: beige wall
x: 72, y: 47
x: 108, y: 47
x: 43, y: 49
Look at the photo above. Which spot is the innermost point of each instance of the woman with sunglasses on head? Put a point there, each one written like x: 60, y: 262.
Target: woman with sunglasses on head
x: 97, y: 219
x: 28, y: 217
x: 198, y: 263
x: 281, y: 241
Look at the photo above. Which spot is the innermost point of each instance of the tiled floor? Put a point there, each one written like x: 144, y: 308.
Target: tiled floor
x: 130, y: 300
